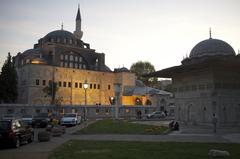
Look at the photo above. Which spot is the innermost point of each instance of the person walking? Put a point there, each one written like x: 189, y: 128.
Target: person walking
x: 214, y: 121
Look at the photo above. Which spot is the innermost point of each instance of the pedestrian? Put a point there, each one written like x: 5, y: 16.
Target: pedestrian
x: 214, y: 121
x: 176, y: 126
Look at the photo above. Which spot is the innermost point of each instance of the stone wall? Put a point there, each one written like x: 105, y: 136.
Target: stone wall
x: 92, y: 111
x: 101, y: 85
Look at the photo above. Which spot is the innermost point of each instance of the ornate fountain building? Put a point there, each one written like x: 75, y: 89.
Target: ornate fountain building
x: 207, y: 83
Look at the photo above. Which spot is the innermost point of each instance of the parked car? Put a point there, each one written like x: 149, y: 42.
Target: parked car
x: 14, y: 133
x: 27, y: 119
x: 156, y: 115
x: 41, y: 120
x: 70, y: 119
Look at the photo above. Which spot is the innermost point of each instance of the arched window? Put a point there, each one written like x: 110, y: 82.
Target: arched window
x: 61, y: 57
x: 76, y: 59
x: 71, y: 57
x: 66, y: 57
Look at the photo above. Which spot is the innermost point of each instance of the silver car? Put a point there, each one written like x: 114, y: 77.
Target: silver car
x: 71, y: 119
x: 156, y: 115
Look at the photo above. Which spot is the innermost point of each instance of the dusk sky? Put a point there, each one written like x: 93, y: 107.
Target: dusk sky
x: 158, y: 31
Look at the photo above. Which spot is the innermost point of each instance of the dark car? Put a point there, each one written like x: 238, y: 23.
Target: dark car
x: 14, y: 133
x: 41, y: 120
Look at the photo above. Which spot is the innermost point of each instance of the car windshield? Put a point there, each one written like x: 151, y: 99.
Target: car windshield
x: 69, y: 115
x: 4, y: 125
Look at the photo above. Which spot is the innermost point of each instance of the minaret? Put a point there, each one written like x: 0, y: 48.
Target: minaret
x: 78, y: 32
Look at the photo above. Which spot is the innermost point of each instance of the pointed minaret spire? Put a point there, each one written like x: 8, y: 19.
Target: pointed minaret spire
x: 78, y: 31
x: 78, y: 17
x: 210, y: 33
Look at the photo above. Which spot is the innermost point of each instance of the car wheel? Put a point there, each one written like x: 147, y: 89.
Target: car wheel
x: 17, y: 142
x: 31, y: 139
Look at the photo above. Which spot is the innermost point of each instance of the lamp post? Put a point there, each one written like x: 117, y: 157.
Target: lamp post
x: 117, y: 87
x: 85, y: 86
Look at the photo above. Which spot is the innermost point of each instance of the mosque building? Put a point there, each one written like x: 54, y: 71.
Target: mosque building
x: 207, y: 83
x: 62, y: 60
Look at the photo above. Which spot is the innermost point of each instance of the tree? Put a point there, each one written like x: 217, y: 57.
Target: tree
x: 8, y: 82
x: 51, y: 91
x: 140, y: 68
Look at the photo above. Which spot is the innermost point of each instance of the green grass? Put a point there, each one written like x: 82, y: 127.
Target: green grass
x: 76, y: 149
x: 121, y: 127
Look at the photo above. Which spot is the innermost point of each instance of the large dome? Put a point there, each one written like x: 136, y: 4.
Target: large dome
x: 211, y: 47
x: 60, y: 34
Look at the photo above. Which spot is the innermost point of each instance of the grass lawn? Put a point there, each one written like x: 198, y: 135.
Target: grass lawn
x: 76, y: 149
x: 121, y: 127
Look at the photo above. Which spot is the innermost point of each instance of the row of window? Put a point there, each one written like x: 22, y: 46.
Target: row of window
x: 71, y: 58
x: 69, y: 84
x: 207, y: 87
x: 73, y: 65
x: 63, y: 40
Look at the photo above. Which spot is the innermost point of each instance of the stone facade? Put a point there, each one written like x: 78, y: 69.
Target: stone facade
x: 33, y: 78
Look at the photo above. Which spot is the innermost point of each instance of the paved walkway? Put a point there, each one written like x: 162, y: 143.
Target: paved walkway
x: 41, y: 150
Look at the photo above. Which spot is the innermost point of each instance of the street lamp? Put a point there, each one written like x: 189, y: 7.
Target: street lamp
x: 85, y: 86
x: 117, y: 88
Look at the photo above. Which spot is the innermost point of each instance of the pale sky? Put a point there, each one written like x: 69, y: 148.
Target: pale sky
x: 158, y: 31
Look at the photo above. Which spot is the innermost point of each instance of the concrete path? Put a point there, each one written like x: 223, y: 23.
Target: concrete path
x: 41, y: 150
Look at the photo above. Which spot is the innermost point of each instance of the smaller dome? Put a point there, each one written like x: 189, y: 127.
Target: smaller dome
x: 211, y: 47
